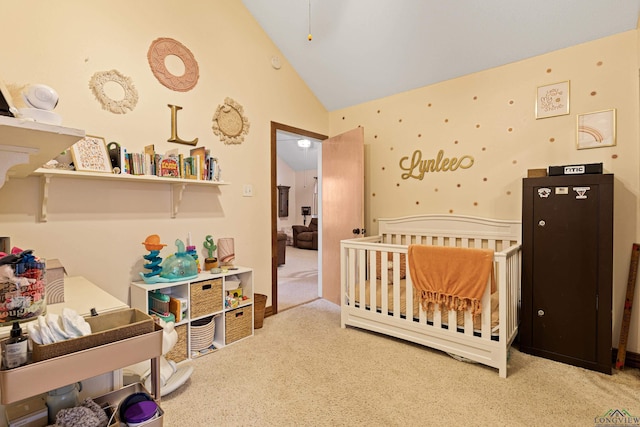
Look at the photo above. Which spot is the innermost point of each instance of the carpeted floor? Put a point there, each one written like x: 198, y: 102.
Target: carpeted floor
x: 302, y: 369
x: 297, y: 278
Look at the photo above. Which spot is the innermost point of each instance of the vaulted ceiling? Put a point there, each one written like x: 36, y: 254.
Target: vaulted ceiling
x: 367, y: 49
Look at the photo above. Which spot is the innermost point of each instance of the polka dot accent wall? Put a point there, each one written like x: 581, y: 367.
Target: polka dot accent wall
x: 488, y: 117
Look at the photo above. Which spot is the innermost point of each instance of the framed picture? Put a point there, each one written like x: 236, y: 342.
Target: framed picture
x: 90, y: 154
x: 552, y: 100
x: 597, y: 129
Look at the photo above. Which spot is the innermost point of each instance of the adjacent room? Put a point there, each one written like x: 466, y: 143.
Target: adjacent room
x: 304, y: 212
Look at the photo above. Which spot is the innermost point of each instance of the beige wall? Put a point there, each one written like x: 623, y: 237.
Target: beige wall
x: 96, y: 227
x: 490, y: 116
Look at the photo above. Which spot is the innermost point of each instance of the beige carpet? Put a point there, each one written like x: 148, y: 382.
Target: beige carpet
x: 297, y: 278
x: 302, y: 369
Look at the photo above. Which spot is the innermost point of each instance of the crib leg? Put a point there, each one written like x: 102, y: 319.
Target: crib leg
x: 502, y: 371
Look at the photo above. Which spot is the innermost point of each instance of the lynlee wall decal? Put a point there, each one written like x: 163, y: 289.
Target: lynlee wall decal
x: 416, y: 167
x: 163, y: 47
x: 229, y: 122
x: 126, y: 104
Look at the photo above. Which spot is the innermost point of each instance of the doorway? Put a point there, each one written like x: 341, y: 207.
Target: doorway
x: 277, y: 130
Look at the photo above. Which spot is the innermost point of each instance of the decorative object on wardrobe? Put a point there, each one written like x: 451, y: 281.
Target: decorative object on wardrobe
x: 122, y: 106
x: 585, y: 168
x: 230, y: 123
x: 552, y: 100
x: 567, y: 269
x: 159, y: 50
x: 597, y: 129
x: 90, y: 154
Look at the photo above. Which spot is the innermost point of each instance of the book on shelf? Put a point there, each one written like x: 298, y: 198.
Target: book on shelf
x: 190, y: 166
x: 168, y: 166
x: 150, y: 159
x: 198, y: 165
x: 200, y: 153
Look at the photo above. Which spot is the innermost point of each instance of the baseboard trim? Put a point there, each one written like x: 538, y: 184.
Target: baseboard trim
x: 631, y: 360
x: 268, y: 311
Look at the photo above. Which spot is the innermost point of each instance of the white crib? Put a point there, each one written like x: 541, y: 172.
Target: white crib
x: 370, y: 265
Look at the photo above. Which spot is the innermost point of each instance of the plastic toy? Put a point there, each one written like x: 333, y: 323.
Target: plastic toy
x: 153, y: 245
x: 210, y: 261
x: 180, y: 266
x: 191, y: 250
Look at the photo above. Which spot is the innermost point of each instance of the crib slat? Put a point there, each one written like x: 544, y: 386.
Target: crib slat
x: 452, y: 320
x: 396, y: 285
x: 437, y: 317
x: 373, y: 282
x: 351, y: 275
x: 384, y: 304
x: 485, y: 322
x: 362, y: 278
x: 468, y: 323
x: 408, y: 288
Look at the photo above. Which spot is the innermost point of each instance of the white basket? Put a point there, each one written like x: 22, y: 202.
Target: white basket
x: 202, y: 332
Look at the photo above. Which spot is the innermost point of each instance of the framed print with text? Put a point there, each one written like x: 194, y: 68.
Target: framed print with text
x: 90, y: 155
x: 552, y: 100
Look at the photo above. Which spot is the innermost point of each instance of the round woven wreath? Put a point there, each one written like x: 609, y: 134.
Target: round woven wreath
x: 229, y: 122
x: 126, y: 104
x: 159, y: 50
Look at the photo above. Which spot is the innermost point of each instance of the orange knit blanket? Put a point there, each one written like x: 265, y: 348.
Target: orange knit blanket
x: 453, y: 277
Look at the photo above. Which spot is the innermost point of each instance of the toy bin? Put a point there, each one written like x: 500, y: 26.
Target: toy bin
x: 202, y: 332
x: 206, y: 297
x: 179, y: 351
x: 238, y: 323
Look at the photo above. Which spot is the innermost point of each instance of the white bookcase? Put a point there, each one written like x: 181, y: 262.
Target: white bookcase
x: 205, y: 296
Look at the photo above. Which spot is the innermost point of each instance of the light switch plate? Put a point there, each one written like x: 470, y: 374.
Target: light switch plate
x: 247, y: 190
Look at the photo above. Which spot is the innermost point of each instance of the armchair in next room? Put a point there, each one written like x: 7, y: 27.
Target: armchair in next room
x: 306, y: 237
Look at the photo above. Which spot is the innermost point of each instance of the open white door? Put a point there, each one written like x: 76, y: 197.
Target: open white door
x: 342, y: 203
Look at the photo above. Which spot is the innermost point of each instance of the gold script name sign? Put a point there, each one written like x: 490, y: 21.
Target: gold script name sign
x: 418, y: 167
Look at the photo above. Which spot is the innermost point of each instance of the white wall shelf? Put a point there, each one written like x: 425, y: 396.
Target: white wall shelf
x: 177, y: 185
x: 26, y: 145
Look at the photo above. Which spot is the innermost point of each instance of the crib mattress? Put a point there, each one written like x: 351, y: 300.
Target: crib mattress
x: 416, y: 305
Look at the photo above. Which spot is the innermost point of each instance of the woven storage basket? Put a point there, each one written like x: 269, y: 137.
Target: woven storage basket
x: 206, y: 297
x: 259, y: 304
x: 105, y: 328
x: 202, y: 332
x: 179, y: 351
x: 238, y: 323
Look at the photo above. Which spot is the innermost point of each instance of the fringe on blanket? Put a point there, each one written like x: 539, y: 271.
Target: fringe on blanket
x: 449, y: 302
